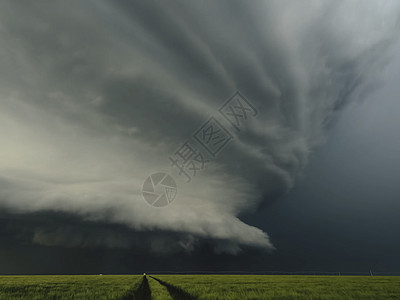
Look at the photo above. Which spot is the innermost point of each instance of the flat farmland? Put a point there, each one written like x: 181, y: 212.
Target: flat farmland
x: 285, y: 287
x: 68, y: 286
x: 206, y: 287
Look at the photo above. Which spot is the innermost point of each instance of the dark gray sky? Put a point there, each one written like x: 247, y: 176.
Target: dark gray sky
x: 343, y: 213
x: 95, y: 96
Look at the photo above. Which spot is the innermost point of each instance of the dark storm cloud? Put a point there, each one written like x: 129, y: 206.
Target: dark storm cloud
x: 48, y: 228
x: 95, y: 96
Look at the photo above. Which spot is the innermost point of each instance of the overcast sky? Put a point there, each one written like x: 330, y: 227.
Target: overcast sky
x: 96, y: 96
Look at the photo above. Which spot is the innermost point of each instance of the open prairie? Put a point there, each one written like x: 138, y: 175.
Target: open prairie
x: 207, y: 287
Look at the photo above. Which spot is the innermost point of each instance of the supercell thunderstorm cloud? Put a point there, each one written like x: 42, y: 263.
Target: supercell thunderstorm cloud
x: 97, y: 95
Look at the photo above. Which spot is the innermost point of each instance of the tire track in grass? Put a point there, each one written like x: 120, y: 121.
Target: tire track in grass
x: 158, y: 291
x: 176, y: 292
x: 141, y: 292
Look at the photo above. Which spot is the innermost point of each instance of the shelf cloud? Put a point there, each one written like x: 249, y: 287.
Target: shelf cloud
x: 96, y: 96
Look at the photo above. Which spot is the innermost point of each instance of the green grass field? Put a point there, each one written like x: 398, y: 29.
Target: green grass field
x: 68, y: 287
x: 286, y: 287
x: 168, y: 287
